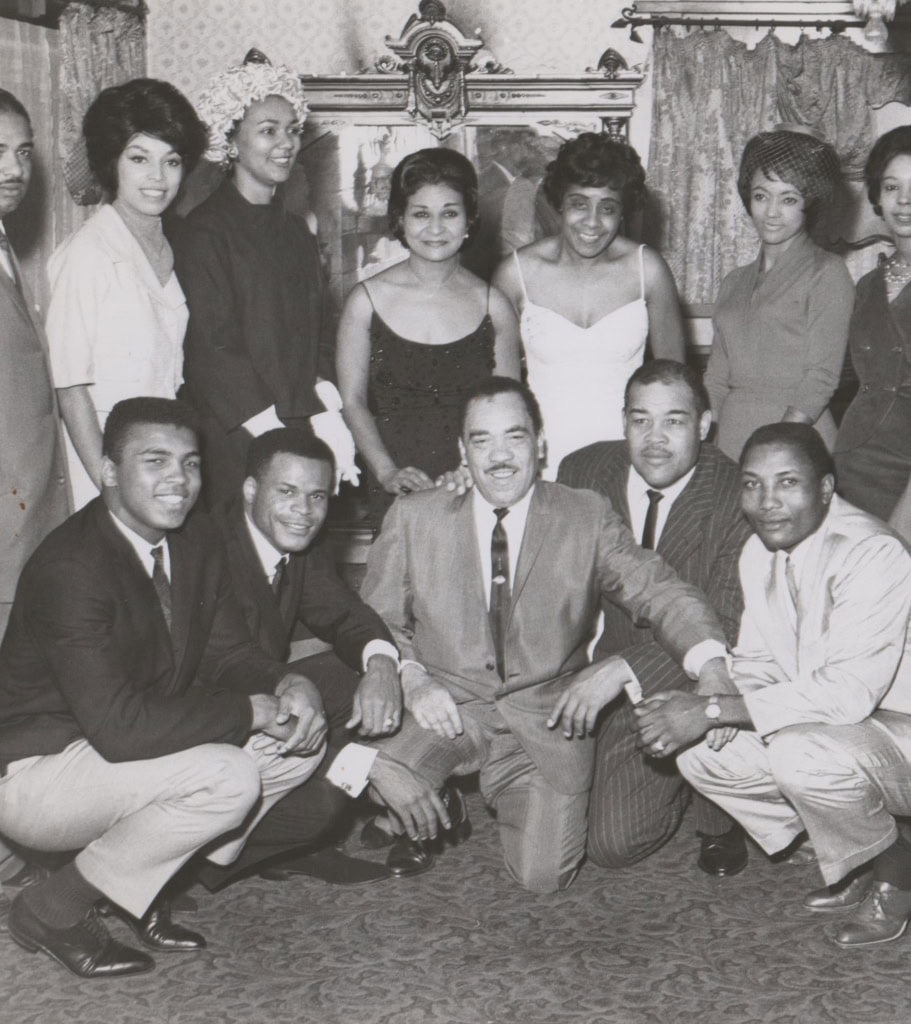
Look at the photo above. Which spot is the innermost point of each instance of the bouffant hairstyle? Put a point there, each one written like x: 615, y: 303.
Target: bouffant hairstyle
x: 596, y: 161
x: 801, y: 159
x: 432, y: 167
x: 894, y: 143
x: 143, y: 106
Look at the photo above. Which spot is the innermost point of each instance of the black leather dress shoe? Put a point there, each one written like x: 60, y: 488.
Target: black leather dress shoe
x: 157, y: 931
x: 844, y: 895
x: 329, y: 865
x: 410, y: 857
x: 87, y: 949
x: 724, y: 855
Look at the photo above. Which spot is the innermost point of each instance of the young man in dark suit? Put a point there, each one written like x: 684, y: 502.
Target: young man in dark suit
x: 681, y: 497
x: 283, y: 573
x: 111, y: 743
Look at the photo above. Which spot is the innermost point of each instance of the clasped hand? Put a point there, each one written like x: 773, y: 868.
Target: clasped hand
x: 294, y: 716
x: 668, y: 722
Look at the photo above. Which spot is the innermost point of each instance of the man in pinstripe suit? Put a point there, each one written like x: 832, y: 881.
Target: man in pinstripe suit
x: 696, y: 525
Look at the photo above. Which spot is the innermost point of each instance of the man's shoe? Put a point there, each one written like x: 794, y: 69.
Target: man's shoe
x: 87, y: 948
x: 724, y: 855
x: 410, y: 857
x: 844, y: 895
x: 157, y: 931
x: 329, y: 865
x: 375, y: 838
x: 882, y: 917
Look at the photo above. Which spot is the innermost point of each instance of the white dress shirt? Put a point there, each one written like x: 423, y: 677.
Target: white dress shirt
x: 637, y: 489
x: 143, y: 548
x: 270, y: 556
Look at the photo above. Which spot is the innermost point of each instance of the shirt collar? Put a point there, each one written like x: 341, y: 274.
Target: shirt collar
x: 142, y: 547
x: 639, y: 486
x: 268, y: 554
x: 483, y: 507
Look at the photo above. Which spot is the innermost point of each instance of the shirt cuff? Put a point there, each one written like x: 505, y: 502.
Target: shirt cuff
x: 263, y: 421
x: 380, y: 647
x: 698, y: 656
x: 350, y: 770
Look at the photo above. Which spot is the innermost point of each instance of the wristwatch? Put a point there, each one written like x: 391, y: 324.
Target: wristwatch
x: 713, y: 709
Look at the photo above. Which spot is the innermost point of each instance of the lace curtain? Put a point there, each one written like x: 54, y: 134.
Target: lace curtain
x: 99, y: 46
x: 711, y: 93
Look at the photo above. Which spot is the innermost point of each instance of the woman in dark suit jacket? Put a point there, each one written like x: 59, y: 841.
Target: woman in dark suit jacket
x: 873, y: 449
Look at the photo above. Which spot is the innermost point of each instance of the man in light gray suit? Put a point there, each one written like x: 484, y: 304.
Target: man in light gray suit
x: 492, y: 597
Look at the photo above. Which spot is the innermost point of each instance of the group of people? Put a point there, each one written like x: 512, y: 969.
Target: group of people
x: 572, y: 588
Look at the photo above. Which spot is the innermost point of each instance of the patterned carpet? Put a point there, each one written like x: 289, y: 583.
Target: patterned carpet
x: 463, y: 945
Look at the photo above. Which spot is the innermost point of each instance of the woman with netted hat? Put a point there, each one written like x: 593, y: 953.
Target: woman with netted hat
x: 259, y: 348
x: 117, y: 314
x: 781, y: 322
x: 873, y: 450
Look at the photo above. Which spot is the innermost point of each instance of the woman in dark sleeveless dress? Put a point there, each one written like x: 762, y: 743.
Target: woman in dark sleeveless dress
x: 415, y: 337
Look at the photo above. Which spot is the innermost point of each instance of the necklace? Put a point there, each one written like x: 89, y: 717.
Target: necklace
x: 896, y: 269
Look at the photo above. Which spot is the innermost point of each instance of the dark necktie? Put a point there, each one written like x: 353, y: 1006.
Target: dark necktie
x: 278, y: 577
x: 162, y: 583
x: 499, y: 588
x: 651, y: 519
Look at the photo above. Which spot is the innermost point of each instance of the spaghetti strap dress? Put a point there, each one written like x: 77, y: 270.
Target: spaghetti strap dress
x: 578, y: 374
x: 415, y: 396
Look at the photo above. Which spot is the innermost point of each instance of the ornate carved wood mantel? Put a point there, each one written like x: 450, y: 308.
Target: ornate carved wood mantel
x: 437, y: 76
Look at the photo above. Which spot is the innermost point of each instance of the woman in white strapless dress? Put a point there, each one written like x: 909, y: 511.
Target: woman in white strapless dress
x: 589, y: 300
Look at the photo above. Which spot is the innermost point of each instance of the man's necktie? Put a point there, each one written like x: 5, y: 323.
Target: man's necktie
x: 162, y: 583
x: 499, y: 588
x: 651, y: 519
x: 278, y: 577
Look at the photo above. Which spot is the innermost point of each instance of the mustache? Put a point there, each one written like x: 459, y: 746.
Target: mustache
x: 500, y: 465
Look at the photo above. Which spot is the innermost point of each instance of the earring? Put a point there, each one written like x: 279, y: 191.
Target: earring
x: 232, y: 152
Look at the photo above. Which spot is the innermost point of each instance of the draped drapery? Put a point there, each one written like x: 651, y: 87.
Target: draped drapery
x: 99, y: 46
x: 711, y: 93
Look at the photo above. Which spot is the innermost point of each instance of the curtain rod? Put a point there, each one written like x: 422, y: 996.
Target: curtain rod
x: 633, y: 19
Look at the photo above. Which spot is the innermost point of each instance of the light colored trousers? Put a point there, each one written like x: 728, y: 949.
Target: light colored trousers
x: 844, y: 784
x: 137, y: 822
x: 542, y: 831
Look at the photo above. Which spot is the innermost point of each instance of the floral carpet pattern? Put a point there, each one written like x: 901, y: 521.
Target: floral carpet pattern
x: 657, y: 944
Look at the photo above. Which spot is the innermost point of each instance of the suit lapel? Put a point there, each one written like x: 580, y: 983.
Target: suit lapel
x: 536, y: 527
x: 271, y: 615
x: 683, y: 529
x: 184, y: 587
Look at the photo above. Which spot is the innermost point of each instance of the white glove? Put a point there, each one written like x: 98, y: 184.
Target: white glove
x: 331, y: 428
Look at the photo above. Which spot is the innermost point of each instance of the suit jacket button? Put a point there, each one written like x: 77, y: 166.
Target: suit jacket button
x: 490, y: 666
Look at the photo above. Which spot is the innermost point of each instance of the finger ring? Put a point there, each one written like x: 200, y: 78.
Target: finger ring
x: 389, y: 721
x: 658, y: 745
